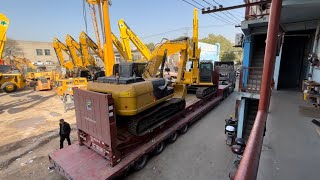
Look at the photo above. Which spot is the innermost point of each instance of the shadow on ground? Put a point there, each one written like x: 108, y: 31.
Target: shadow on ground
x: 12, y: 106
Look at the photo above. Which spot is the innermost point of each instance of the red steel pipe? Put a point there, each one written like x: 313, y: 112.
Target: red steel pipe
x: 248, y: 168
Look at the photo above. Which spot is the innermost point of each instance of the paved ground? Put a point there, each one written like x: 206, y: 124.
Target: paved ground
x: 292, y: 143
x: 199, y: 154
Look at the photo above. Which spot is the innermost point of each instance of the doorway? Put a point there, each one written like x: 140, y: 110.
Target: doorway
x: 294, y: 53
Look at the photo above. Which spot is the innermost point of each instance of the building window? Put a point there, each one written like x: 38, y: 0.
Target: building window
x: 39, y: 52
x: 47, y: 52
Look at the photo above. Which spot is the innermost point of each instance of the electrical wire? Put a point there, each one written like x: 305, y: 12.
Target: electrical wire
x: 215, y: 14
x: 183, y: 28
x: 221, y: 18
x: 226, y: 11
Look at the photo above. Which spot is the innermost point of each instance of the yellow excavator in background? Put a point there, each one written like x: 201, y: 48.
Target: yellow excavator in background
x: 119, y: 46
x: 82, y: 62
x: 37, y: 78
x: 9, y: 82
x: 59, y: 48
x: 128, y: 35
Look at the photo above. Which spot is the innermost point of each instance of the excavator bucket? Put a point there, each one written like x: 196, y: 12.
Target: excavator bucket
x: 180, y: 91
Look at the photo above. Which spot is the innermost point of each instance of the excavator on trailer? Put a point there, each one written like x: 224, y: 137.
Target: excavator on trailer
x: 9, y: 82
x: 199, y: 78
x: 142, y: 100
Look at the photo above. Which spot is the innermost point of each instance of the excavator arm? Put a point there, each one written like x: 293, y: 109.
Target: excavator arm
x: 59, y: 47
x: 18, y: 62
x: 127, y: 34
x: 119, y: 46
x: 171, y: 47
x: 194, y: 53
x: 75, y: 51
x: 108, y: 54
x: 4, y: 23
x: 87, y: 43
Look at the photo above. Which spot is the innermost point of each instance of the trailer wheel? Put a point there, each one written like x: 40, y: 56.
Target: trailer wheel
x: 141, y: 163
x: 159, y: 148
x: 173, y: 137
x: 184, y: 129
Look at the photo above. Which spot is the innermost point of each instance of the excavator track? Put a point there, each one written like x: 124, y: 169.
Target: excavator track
x: 146, y: 121
x: 203, y: 92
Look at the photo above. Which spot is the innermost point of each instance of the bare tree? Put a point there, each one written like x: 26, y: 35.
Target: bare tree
x: 12, y: 48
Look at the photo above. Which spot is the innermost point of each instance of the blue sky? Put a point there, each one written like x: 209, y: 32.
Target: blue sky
x: 151, y: 20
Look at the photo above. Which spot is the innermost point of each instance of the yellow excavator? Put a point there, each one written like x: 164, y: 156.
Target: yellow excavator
x: 39, y: 80
x: 82, y: 62
x: 201, y: 78
x: 9, y: 82
x: 128, y: 35
x: 141, y: 99
x: 61, y: 48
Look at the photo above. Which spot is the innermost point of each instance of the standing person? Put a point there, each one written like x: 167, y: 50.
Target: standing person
x: 64, y: 132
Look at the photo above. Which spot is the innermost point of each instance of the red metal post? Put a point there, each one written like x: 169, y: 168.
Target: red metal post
x: 248, y: 167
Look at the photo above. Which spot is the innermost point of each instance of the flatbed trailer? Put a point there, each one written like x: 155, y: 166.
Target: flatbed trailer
x: 79, y: 161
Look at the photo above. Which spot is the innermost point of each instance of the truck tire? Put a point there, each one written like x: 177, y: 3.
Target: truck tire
x: 159, y: 148
x: 9, y: 87
x: 184, y: 129
x: 173, y: 137
x: 141, y: 163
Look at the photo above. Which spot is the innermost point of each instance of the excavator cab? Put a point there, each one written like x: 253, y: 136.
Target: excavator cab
x: 125, y: 73
x: 205, y: 73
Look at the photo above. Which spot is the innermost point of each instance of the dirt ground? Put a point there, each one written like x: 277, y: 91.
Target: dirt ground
x: 29, y: 113
x: 29, y: 127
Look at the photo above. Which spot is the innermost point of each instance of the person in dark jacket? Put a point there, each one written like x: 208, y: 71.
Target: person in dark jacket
x: 64, y: 132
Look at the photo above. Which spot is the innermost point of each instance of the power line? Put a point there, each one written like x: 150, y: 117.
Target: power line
x: 224, y: 12
x: 221, y: 18
x: 183, y: 28
x: 227, y: 11
x: 215, y: 14
x: 191, y: 4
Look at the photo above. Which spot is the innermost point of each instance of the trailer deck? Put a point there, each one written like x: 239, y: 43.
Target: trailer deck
x: 80, y: 162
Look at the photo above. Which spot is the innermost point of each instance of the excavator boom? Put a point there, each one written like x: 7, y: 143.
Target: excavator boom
x: 87, y: 43
x: 75, y: 51
x: 127, y: 34
x: 59, y: 48
x: 171, y: 47
x: 119, y: 46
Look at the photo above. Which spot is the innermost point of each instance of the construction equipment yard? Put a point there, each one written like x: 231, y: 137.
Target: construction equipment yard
x: 175, y: 97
